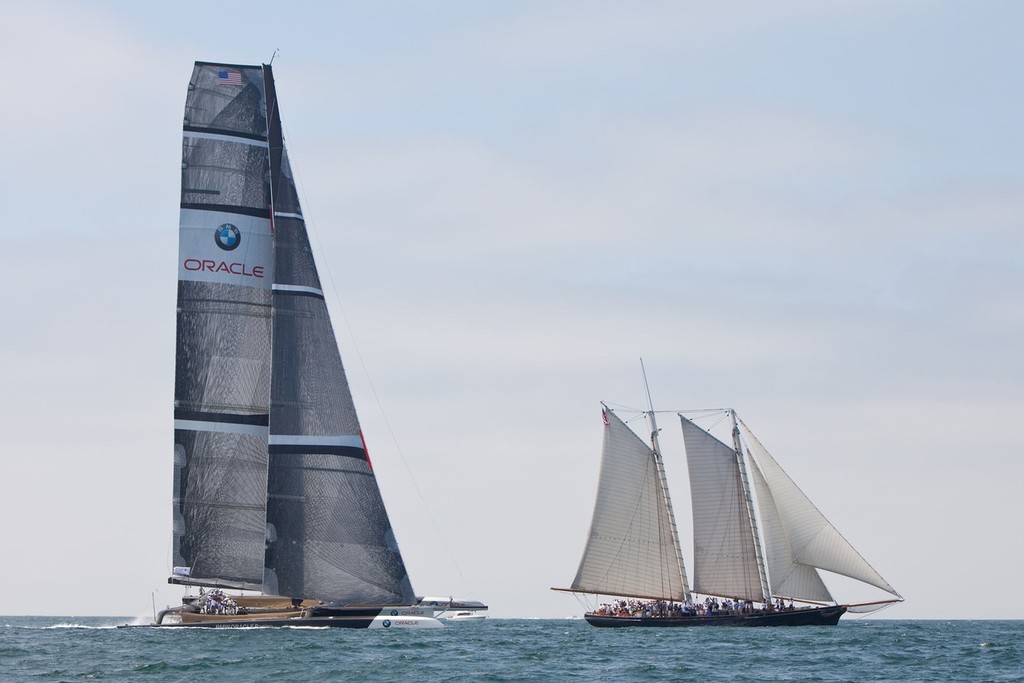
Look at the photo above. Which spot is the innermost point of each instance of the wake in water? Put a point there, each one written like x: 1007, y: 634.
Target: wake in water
x: 63, y: 623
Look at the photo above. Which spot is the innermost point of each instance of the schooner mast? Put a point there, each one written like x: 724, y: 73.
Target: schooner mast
x: 660, y: 467
x: 749, y: 499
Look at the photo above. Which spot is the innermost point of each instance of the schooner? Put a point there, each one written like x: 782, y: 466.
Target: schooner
x: 759, y: 542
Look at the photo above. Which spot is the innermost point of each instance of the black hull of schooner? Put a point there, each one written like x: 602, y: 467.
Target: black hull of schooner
x: 817, y: 616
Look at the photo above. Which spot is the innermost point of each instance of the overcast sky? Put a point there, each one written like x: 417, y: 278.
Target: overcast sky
x: 808, y: 211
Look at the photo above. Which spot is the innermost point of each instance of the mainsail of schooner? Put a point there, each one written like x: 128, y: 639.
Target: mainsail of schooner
x: 758, y: 540
x: 273, y: 488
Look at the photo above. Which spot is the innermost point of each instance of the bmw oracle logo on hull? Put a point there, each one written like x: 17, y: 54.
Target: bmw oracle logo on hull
x: 227, y: 237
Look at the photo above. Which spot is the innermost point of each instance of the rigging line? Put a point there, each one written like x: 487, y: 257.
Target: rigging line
x: 584, y: 603
x: 307, y: 214
x: 618, y: 409
x: 711, y: 413
x: 702, y: 412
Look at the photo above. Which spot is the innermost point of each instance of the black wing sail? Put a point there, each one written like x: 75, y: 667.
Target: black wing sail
x: 222, y: 373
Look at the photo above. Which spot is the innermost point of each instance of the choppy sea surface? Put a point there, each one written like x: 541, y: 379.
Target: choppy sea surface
x: 91, y: 648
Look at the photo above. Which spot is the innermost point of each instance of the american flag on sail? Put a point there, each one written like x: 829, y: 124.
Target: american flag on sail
x: 604, y: 418
x: 229, y: 77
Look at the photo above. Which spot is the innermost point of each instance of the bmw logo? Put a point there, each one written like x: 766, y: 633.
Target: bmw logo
x: 227, y: 237
x: 387, y: 623
x: 394, y: 613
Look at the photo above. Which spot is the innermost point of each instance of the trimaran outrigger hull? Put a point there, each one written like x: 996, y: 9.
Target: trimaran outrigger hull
x: 819, y: 616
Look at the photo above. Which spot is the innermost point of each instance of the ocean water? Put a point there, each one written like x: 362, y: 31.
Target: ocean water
x: 92, y: 649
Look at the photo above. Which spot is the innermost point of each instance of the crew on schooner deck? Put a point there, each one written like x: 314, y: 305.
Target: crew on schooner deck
x: 652, y: 609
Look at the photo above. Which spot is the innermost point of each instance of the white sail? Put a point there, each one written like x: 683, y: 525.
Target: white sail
x: 788, y: 578
x: 724, y: 558
x: 812, y: 538
x: 632, y: 549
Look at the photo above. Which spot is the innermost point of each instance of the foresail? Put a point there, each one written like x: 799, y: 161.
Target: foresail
x: 788, y: 577
x: 812, y: 538
x: 724, y: 558
x: 631, y: 549
x: 329, y: 534
x: 222, y: 370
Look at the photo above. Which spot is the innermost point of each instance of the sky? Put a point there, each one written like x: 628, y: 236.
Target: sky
x: 809, y: 212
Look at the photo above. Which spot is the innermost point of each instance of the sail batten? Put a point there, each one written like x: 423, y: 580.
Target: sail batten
x: 240, y: 137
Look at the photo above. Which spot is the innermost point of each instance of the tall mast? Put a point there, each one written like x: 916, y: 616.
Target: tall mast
x: 275, y: 137
x: 659, y: 465
x: 650, y: 414
x: 744, y: 479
